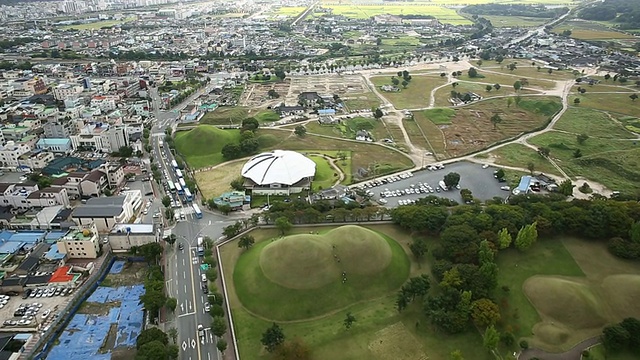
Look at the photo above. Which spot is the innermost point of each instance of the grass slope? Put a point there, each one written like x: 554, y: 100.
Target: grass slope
x: 262, y: 296
x: 201, y: 146
x: 579, y: 120
x: 417, y: 93
x: 225, y: 116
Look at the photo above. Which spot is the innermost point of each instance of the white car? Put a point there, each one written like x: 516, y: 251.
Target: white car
x: 207, y: 307
x: 505, y: 188
x: 46, y: 313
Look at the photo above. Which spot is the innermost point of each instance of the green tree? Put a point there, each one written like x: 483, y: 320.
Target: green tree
x: 504, y: 238
x: 349, y: 320
x: 500, y: 174
x: 495, y: 119
x: 633, y: 97
x: 634, y: 232
x: 283, y: 225
x: 632, y: 325
x: 472, y: 72
x: 218, y: 326
x: 581, y: 138
x: 485, y: 312
x: 527, y: 235
x: 173, y: 351
x: 378, y: 113
x: 566, y: 188
x: 169, y: 214
x: 272, y: 337
x: 150, y: 252
x: 151, y: 334
x: 488, y: 88
x: 490, y: 339
x: 173, y: 334
x: 456, y: 355
x: 152, y: 351
x: 509, y: 102
x: 517, y: 85
x: 576, y: 101
x: 485, y: 253
x: 452, y: 179
x: 300, y: 130
x: 221, y: 344
x: 171, y: 239
x: 171, y: 303
x: 615, y: 337
x: 418, y: 248
x: 405, y: 83
x: 166, y: 201
x: 395, y: 81
x: 497, y: 86
x: 246, y: 241
x: 249, y: 124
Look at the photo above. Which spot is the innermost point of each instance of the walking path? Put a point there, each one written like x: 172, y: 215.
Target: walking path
x: 575, y: 353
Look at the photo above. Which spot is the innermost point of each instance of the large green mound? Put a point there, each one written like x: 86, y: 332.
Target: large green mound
x: 623, y: 292
x: 297, y: 277
x: 565, y: 301
x: 204, y: 140
x: 308, y: 261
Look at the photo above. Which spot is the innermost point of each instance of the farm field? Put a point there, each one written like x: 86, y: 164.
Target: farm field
x: 529, y: 72
x: 518, y: 155
x: 417, y: 93
x: 579, y: 120
x: 415, y: 134
x: 380, y: 332
x: 225, y: 116
x: 435, y: 136
x: 612, y: 163
x: 515, y: 21
x: 201, y: 147
x: 215, y: 182
x: 376, y: 159
x: 507, y: 79
x: 471, y: 129
x: 444, y: 15
x: 586, y: 30
x: 443, y: 94
x: 292, y: 11
x: 363, y: 101
x: 98, y: 24
x: 615, y: 103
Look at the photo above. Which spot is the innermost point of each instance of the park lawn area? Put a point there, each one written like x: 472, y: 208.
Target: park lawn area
x: 378, y: 159
x: 348, y: 128
x: 518, y: 155
x: 266, y: 116
x: 363, y: 101
x: 579, y: 120
x: 225, y: 115
x: 587, y: 30
x: 98, y: 24
x: 531, y: 73
x: 435, y: 136
x: 416, y: 95
x: 325, y: 176
x: 515, y: 21
x: 546, y: 257
x: 471, y: 128
x: 415, y: 134
x: 380, y: 332
x: 615, y: 103
x: 202, y: 146
x: 214, y: 182
x: 443, y: 14
x: 506, y: 79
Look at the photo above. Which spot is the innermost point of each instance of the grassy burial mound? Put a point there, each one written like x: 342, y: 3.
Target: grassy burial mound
x: 202, y: 146
x: 306, y: 275
x: 625, y: 292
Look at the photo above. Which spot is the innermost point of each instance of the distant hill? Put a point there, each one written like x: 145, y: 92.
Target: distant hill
x: 16, y: 2
x: 537, y: 11
x: 626, y: 14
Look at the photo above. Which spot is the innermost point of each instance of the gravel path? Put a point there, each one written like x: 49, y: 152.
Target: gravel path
x: 572, y: 354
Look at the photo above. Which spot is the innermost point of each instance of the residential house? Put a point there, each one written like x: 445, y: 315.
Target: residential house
x: 82, y: 242
x: 290, y: 110
x: 123, y: 236
x: 106, y: 212
x: 55, y: 145
x: 310, y: 99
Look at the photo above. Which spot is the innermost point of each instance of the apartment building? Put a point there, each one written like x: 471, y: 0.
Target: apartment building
x: 27, y: 195
x: 101, y: 137
x: 65, y: 91
x: 54, y: 128
x: 10, y: 154
x: 36, y: 159
x: 106, y: 212
x: 82, y: 242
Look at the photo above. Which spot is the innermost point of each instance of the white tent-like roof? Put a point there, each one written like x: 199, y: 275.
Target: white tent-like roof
x: 279, y: 167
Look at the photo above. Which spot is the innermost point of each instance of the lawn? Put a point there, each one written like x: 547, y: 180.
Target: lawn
x: 401, y: 41
x: 417, y: 93
x: 612, y: 163
x: 580, y: 120
x: 525, y: 70
x: 212, y: 183
x: 546, y: 257
x: 325, y: 176
x: 380, y: 332
x: 98, y: 24
x: 599, y: 353
x: 439, y: 116
x: 225, y: 116
x: 507, y: 79
x: 376, y: 159
x: 616, y: 103
x: 348, y: 128
x: 363, y: 101
x: 201, y: 147
x: 443, y: 94
x: 518, y: 155
x: 443, y: 14
x: 266, y: 116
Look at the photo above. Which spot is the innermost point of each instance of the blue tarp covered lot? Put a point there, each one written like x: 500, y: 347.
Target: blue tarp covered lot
x: 86, y: 333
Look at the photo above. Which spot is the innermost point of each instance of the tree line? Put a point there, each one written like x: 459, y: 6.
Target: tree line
x: 626, y: 14
x: 536, y: 11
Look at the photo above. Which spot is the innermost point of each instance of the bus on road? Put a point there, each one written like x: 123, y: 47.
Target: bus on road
x: 200, y: 248
x: 172, y: 188
x: 174, y: 164
x: 187, y: 195
x: 179, y: 173
x: 179, y: 189
x: 182, y: 183
x: 196, y: 210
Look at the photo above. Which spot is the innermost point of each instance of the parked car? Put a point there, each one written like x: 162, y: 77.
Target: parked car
x: 46, y: 313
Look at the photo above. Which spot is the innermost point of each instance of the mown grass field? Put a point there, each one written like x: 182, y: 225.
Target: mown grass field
x: 507, y: 79
x: 215, y: 182
x: 98, y: 24
x: 526, y: 70
x: 292, y: 11
x: 443, y: 94
x: 225, y: 116
x: 380, y: 332
x: 518, y: 155
x: 325, y: 176
x: 615, y: 103
x: 363, y: 101
x: 580, y: 120
x: 435, y: 137
x: 587, y: 30
x: 515, y: 21
x: 417, y: 93
x: 348, y: 128
x: 202, y: 146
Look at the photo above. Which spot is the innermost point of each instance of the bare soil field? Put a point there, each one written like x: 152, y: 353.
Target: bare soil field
x: 344, y: 86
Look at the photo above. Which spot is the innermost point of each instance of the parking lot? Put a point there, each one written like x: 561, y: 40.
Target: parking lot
x: 29, y: 313
x: 473, y: 176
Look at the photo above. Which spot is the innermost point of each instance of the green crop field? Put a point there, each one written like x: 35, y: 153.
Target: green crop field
x: 515, y: 21
x: 292, y: 11
x: 440, y: 116
x: 507, y: 79
x: 98, y: 24
x: 201, y: 146
x: 443, y: 14
x: 586, y: 30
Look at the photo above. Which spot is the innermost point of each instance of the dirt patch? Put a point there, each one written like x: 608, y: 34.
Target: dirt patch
x: 110, y: 340
x: 132, y: 273
x: 123, y: 353
x: 256, y: 95
x: 396, y: 342
x: 344, y: 86
x: 93, y: 308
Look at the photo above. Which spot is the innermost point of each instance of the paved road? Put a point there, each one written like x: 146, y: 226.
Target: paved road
x: 183, y: 273
x: 575, y: 353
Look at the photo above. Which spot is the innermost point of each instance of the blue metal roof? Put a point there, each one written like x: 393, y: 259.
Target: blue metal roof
x: 525, y: 182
